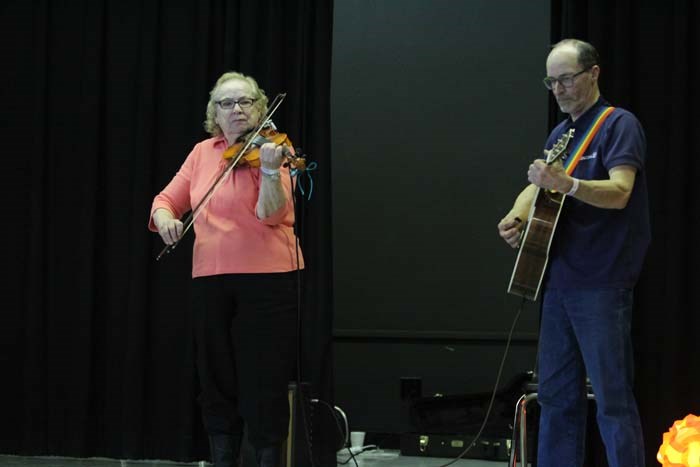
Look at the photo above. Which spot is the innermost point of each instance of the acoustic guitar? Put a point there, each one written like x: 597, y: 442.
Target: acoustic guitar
x: 538, y: 232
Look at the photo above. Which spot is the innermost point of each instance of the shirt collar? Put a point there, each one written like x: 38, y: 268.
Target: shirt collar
x: 585, y: 120
x: 219, y: 141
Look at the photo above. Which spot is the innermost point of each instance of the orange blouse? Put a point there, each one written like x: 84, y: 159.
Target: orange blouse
x: 229, y: 237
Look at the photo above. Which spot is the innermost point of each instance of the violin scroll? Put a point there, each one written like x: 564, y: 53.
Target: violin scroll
x: 295, y: 160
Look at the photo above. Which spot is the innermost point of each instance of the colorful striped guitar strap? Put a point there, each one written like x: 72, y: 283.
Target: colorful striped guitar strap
x: 587, y: 138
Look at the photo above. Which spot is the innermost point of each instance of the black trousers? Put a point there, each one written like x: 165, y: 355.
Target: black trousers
x: 245, y: 340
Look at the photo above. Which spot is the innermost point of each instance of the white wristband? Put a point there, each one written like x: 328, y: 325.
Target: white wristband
x: 574, y: 187
x: 269, y: 171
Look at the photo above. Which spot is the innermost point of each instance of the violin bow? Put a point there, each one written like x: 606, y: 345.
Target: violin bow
x: 230, y: 165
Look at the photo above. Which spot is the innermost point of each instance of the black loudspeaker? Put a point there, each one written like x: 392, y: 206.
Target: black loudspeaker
x: 314, y: 435
x: 293, y: 447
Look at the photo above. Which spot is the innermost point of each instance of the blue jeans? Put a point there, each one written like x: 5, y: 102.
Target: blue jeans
x: 587, y: 332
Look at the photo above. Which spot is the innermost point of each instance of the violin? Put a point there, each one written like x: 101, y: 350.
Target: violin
x: 251, y: 157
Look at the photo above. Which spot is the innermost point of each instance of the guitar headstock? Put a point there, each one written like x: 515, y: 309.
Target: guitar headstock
x: 559, y: 148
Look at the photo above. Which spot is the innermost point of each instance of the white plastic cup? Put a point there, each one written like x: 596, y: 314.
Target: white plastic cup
x: 357, y: 439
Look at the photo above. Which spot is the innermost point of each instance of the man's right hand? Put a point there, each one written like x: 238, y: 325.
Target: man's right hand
x: 510, y: 229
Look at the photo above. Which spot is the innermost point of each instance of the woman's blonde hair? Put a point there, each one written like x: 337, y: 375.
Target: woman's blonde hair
x: 260, y: 104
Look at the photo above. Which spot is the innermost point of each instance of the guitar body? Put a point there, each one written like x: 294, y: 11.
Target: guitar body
x: 533, y: 255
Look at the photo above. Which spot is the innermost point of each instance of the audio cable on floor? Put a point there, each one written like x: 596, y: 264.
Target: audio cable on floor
x: 495, y: 389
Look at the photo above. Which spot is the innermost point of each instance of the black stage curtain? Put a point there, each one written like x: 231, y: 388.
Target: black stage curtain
x: 102, y: 102
x: 650, y: 53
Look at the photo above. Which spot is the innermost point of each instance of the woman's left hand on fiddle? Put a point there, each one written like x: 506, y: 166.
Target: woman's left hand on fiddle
x: 271, y: 155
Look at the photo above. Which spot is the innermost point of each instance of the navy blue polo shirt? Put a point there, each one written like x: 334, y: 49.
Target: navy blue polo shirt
x: 595, y: 247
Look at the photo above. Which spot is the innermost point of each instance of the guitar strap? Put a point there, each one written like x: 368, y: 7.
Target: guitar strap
x: 587, y: 138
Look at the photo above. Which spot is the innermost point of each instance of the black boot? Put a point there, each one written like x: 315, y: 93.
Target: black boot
x: 225, y: 450
x: 268, y: 457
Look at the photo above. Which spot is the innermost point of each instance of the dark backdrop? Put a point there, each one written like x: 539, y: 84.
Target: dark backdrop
x: 102, y: 102
x: 428, y: 154
x: 436, y: 112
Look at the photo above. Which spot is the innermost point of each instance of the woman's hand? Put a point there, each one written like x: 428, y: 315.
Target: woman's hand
x: 271, y: 156
x: 169, y: 228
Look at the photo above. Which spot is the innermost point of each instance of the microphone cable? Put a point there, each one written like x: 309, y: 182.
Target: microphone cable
x: 495, y: 388
x: 298, y: 232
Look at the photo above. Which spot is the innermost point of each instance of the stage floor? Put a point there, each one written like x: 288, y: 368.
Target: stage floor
x: 380, y: 458
x: 391, y: 458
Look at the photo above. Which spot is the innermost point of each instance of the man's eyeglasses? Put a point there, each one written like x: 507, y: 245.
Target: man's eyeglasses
x: 566, y: 81
x: 228, y: 104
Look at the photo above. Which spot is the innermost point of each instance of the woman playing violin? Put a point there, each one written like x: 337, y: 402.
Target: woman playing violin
x: 244, y: 282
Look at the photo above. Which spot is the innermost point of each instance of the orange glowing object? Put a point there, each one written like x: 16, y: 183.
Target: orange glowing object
x: 681, y: 444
